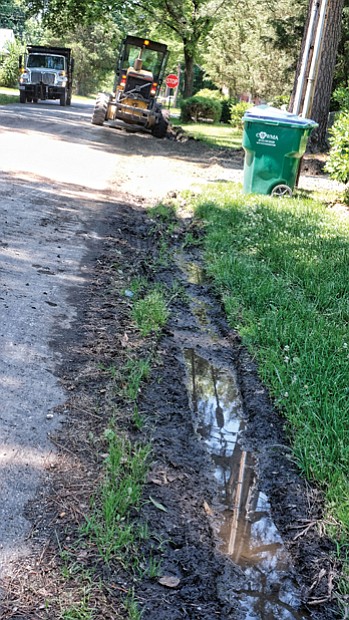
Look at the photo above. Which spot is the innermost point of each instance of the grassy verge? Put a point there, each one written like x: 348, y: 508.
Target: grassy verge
x: 281, y: 267
x: 8, y: 95
x: 213, y: 134
x: 11, y: 95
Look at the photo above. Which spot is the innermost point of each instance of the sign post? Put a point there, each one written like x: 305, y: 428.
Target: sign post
x: 171, y: 81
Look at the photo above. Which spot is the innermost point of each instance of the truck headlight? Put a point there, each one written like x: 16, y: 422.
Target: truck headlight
x: 62, y: 78
x: 25, y: 77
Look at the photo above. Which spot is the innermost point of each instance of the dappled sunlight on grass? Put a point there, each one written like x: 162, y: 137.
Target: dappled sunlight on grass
x: 213, y: 134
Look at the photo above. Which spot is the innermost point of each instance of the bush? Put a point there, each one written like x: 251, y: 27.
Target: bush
x: 9, y: 72
x: 237, y: 110
x: 280, y: 101
x: 225, y: 101
x: 209, y: 93
x: 226, y: 107
x: 341, y: 98
x: 200, y: 108
x: 337, y: 164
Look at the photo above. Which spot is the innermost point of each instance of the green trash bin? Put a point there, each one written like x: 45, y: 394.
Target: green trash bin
x: 274, y: 142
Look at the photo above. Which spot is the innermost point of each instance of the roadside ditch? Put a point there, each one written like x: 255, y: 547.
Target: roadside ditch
x: 225, y: 527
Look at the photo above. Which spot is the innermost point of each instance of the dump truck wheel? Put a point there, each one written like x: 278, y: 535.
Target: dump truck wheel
x: 282, y: 190
x: 100, y: 109
x: 160, y: 129
x: 22, y: 97
x: 63, y: 99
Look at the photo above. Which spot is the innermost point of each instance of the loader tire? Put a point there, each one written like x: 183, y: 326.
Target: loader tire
x: 160, y: 128
x: 22, y: 97
x: 100, y: 109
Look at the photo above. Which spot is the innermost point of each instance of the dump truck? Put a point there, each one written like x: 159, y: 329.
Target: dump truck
x: 46, y: 73
x: 138, y: 78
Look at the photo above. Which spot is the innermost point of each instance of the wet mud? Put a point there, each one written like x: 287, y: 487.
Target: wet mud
x: 224, y: 503
x: 235, y: 503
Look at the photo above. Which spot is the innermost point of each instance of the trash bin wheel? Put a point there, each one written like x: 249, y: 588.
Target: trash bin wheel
x: 281, y: 190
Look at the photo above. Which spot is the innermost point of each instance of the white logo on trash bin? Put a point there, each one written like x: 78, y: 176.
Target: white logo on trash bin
x: 266, y: 138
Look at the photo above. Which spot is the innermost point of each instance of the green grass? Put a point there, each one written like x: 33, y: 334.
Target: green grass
x: 216, y: 135
x: 281, y: 267
x: 11, y: 95
x: 109, y: 525
x: 150, y: 313
x: 134, y: 372
x: 132, y: 607
x: 80, y: 611
x: 8, y: 95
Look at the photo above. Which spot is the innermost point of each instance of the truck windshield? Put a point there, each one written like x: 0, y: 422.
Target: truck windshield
x: 152, y: 60
x: 45, y: 61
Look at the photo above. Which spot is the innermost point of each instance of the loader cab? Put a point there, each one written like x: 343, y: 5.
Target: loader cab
x: 142, y: 55
x: 138, y: 77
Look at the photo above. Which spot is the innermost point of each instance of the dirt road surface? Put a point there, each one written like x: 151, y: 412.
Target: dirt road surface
x: 72, y: 193
x: 57, y: 170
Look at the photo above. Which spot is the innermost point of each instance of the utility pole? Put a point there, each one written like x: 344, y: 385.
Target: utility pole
x: 315, y: 63
x: 306, y: 57
x: 311, y: 57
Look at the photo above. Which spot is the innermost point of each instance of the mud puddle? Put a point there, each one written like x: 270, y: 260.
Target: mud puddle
x: 246, y: 531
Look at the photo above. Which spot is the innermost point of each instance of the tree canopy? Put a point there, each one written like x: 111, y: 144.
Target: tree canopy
x: 13, y: 15
x: 241, y: 50
x: 189, y: 21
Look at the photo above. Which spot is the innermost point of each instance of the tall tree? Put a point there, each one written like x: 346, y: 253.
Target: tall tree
x: 322, y: 97
x: 341, y: 75
x: 93, y: 49
x: 254, y: 48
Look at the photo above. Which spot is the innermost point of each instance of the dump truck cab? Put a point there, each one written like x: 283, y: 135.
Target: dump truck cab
x: 46, y: 73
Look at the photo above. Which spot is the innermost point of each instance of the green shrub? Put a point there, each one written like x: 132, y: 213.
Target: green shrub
x: 209, y: 93
x: 237, y: 110
x: 200, y: 108
x: 9, y: 72
x: 341, y: 97
x: 337, y: 164
x: 279, y: 101
x: 226, y: 107
x: 217, y: 95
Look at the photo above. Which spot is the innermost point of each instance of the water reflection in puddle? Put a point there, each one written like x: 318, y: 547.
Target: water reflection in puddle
x: 247, y: 532
x: 192, y: 270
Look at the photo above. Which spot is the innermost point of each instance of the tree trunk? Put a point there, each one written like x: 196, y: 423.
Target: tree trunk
x: 323, y: 90
x: 321, y: 104
x: 188, y: 73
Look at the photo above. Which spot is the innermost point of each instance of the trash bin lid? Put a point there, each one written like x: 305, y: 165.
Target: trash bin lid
x: 274, y: 116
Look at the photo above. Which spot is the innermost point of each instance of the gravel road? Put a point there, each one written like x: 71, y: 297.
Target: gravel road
x: 58, y: 175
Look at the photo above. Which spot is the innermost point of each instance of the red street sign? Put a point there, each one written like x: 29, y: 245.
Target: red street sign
x: 172, y: 80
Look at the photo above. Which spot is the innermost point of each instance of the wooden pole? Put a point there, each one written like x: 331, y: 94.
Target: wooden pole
x: 315, y: 63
